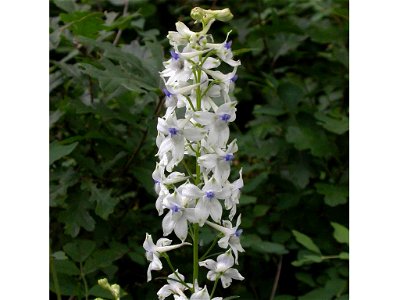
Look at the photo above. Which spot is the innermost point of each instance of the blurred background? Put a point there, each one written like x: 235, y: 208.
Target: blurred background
x: 291, y: 128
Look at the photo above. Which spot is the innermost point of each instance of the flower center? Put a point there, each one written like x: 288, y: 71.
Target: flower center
x: 225, y: 117
x: 173, y: 131
x: 167, y: 93
x: 175, y: 208
x: 228, y: 45
x: 228, y: 157
x: 210, y: 194
x: 174, y: 55
x: 238, y: 232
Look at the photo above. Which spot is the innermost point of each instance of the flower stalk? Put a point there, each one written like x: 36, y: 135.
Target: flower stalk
x: 199, y: 108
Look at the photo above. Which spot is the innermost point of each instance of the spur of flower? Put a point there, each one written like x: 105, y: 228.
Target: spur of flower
x: 153, y: 252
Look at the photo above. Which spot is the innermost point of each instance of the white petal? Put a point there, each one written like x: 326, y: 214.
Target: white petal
x: 216, y: 210
x: 208, y: 161
x: 226, y: 259
x: 226, y: 281
x: 209, y: 264
x: 202, y: 211
x: 191, y: 191
x: 204, y: 117
x: 194, y: 134
x: 168, y: 224
x: 181, y: 229
x: 234, y: 274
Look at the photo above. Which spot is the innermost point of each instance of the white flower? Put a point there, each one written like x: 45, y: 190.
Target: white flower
x: 153, y: 252
x: 199, y: 294
x: 178, y: 216
x: 173, y: 287
x: 233, y: 200
x: 217, y: 123
x: 175, y: 131
x: 221, y: 269
x: 176, y: 68
x: 208, y: 203
x: 182, y: 36
x: 231, y: 236
x: 224, y: 51
x: 160, y: 179
x: 225, y: 81
x: 219, y: 162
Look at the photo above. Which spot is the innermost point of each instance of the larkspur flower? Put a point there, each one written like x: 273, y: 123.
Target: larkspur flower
x: 175, y: 131
x: 231, y: 236
x: 217, y: 123
x: 222, y: 269
x: 208, y: 203
x: 178, y: 216
x: 219, y: 162
x: 174, y: 286
x: 153, y: 252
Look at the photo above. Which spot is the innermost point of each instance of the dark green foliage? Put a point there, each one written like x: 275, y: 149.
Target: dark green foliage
x: 292, y: 132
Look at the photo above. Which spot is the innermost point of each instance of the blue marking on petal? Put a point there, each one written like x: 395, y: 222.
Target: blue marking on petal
x: 210, y: 194
x: 167, y: 93
x: 234, y: 78
x: 225, y: 117
x: 174, y: 55
x: 173, y: 131
x: 238, y: 232
x: 175, y: 208
x: 229, y: 157
x: 228, y: 45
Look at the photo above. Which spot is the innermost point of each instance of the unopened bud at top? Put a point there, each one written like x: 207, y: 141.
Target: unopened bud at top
x: 205, y: 15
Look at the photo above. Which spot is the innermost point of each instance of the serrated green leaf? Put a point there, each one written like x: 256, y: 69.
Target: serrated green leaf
x: 77, y: 216
x: 59, y: 255
x: 105, y: 203
x: 291, y: 95
x: 79, y: 250
x: 66, y: 267
x: 335, y: 125
x: 58, y: 150
x: 307, y: 259
x: 306, y: 137
x: 341, y: 233
x: 333, y: 194
x: 131, y: 72
x: 84, y: 23
x: 260, y: 210
x: 101, y: 259
x: 306, y: 241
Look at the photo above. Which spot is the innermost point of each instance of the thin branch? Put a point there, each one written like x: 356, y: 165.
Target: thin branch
x: 125, y: 12
x: 276, y: 281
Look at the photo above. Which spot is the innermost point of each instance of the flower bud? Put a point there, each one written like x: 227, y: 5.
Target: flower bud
x: 205, y: 15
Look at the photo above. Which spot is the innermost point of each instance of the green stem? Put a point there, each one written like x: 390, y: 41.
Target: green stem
x: 209, y: 249
x: 190, y: 102
x: 165, y: 255
x: 188, y: 170
x: 215, y: 286
x: 84, y: 281
x: 55, y: 278
x: 195, y: 253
